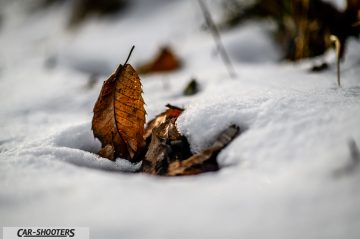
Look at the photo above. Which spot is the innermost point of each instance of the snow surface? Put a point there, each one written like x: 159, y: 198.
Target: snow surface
x: 278, y: 178
x: 339, y: 4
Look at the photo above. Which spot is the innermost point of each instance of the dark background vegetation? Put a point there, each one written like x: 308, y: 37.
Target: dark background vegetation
x: 303, y: 27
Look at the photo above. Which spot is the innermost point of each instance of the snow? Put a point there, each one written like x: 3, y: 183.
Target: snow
x: 277, y: 179
x: 339, y: 4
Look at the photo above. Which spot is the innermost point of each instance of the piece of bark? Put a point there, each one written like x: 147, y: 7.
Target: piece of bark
x: 169, y: 152
x: 206, y: 160
x: 167, y: 145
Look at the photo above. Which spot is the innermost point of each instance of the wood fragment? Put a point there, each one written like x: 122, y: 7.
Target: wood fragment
x: 206, y: 160
x: 167, y: 145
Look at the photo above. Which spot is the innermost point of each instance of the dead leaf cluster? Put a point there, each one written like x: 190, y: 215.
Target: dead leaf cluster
x: 118, y: 122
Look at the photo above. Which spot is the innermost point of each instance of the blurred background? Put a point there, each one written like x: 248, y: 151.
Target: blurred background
x: 68, y: 32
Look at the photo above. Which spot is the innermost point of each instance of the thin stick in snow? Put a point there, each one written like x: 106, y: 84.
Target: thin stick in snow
x: 217, y: 38
x: 336, y: 40
x: 354, y: 162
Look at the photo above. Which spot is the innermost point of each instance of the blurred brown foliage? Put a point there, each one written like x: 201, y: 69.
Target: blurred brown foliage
x: 303, y: 26
x: 84, y: 8
x: 81, y: 9
x: 165, y: 61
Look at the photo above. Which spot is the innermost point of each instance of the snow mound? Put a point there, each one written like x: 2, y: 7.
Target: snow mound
x: 77, y: 137
x: 74, y: 144
x: 77, y: 145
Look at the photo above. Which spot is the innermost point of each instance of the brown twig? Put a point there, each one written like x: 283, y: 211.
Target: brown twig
x: 217, y: 38
x: 336, y: 40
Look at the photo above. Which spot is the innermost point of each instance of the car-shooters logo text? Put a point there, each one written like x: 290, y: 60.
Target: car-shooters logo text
x: 41, y: 232
x: 46, y: 232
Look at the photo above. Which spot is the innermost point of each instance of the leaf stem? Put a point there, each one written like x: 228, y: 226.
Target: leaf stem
x: 127, y: 59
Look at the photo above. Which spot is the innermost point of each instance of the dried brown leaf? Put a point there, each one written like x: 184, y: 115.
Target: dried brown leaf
x: 169, y: 152
x: 119, y: 115
x: 173, y: 112
x: 165, y: 61
x: 167, y: 145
